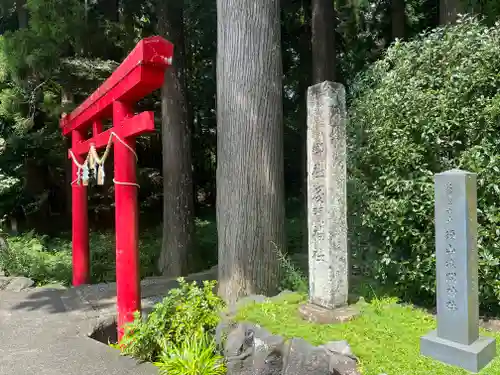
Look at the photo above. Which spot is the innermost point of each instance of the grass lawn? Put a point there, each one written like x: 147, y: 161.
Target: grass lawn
x: 385, y: 337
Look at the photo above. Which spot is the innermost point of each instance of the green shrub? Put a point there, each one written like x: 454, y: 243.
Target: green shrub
x: 103, y: 254
x: 47, y: 260
x: 429, y: 105
x: 186, y: 311
x: 34, y: 257
x: 195, y: 355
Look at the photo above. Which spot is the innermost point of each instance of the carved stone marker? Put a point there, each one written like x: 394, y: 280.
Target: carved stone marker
x: 326, y: 202
x: 456, y: 340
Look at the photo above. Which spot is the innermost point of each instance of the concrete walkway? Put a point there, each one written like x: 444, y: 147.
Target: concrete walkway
x: 39, y: 336
x: 46, y: 331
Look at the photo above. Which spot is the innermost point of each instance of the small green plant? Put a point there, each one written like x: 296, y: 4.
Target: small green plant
x: 186, y: 310
x: 293, y: 279
x: 195, y: 355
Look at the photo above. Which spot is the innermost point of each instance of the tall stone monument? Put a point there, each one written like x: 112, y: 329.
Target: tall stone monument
x: 456, y: 340
x: 326, y: 203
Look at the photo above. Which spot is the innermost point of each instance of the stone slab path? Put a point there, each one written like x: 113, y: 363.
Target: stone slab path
x: 45, y: 331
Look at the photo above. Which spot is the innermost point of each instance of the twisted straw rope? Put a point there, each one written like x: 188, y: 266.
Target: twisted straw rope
x: 93, y: 156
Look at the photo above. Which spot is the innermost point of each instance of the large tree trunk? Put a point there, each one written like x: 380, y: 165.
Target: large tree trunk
x: 324, y: 64
x: 177, y: 245
x: 68, y: 104
x: 398, y: 19
x: 449, y: 11
x: 250, y: 176
x: 22, y: 14
x: 304, y: 83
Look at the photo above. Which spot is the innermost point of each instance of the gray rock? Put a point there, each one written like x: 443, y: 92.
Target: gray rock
x: 302, y: 358
x: 238, y: 350
x: 4, y: 281
x: 339, y: 347
x: 251, y: 350
x: 18, y: 284
x: 267, y: 353
x: 343, y: 365
x: 235, y: 340
x: 222, y: 331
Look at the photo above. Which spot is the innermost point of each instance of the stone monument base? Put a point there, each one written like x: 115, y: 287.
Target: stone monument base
x: 321, y: 315
x: 471, y: 357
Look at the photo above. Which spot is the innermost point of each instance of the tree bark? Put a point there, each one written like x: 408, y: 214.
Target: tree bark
x: 449, y: 11
x: 22, y: 14
x: 324, y: 64
x: 250, y: 176
x: 304, y: 83
x: 178, y: 220
x: 398, y: 19
x: 67, y: 104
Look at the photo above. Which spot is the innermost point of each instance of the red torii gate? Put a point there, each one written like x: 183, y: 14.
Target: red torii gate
x: 139, y: 74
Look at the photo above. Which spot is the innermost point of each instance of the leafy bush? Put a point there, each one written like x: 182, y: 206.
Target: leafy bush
x: 193, y: 356
x: 429, y: 105
x: 103, y: 255
x: 47, y: 260
x: 186, y: 311
x: 32, y: 256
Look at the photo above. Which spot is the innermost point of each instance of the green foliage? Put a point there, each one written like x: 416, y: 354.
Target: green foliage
x: 34, y: 257
x: 30, y: 252
x: 47, y: 260
x: 55, y: 29
x: 195, y: 355
x: 429, y: 105
x: 292, y: 277
x: 186, y: 310
x: 69, y: 46
x: 37, y: 64
x: 103, y: 255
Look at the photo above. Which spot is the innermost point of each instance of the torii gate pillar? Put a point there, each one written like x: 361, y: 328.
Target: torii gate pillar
x: 140, y: 73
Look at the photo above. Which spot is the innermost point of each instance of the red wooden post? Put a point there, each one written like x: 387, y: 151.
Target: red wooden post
x: 80, y: 235
x: 96, y: 127
x: 128, y: 292
x: 140, y: 73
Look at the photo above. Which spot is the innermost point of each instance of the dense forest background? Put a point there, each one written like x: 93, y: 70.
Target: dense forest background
x: 54, y: 53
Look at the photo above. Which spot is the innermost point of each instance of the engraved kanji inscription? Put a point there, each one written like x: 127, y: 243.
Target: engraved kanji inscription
x: 318, y: 193
x: 450, y: 263
x: 451, y: 291
x: 451, y: 305
x: 450, y: 235
x: 318, y: 169
x: 318, y: 148
x: 449, y: 189
x: 450, y: 249
x: 451, y: 277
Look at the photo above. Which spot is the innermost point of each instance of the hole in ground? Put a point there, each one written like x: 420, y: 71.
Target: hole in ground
x: 105, y: 332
